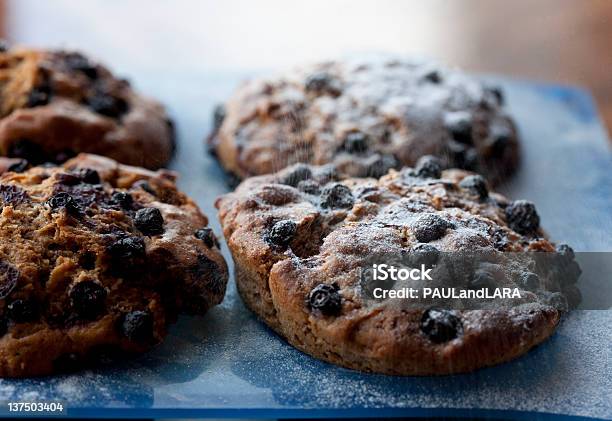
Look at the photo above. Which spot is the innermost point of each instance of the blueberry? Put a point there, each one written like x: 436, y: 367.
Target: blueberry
x: 556, y: 300
x: 497, y: 93
x: 143, y: 184
x: 380, y: 166
x: 89, y: 176
x: 522, y: 217
x: 424, y: 254
x: 107, y: 105
x: 21, y: 311
x: 337, y: 195
x: 218, y: 116
x: 309, y: 187
x: 326, y: 299
x: 26, y: 149
x: 459, y: 125
x: 320, y: 83
x: 475, y: 184
x: 425, y: 248
x: 433, y: 76
x: 19, y: 166
x: 428, y: 166
x: 529, y: 281
x: 4, y: 46
x: 137, y: 326
x: 207, y: 236
x: 79, y: 63
x: 355, y: 142
x: 470, y: 160
x: 368, y: 284
x: 281, y: 233
x: 127, y: 249
x: 456, y: 153
x: 63, y: 200
x: 566, y: 252
x: 9, y: 275
x: 123, y: 199
x: 441, y: 325
x: 297, y: 173
x: 39, y: 96
x: 430, y: 227
x: 149, y: 221
x: 500, y: 239
x: 482, y: 279
x: 500, y: 136
x: 88, y: 299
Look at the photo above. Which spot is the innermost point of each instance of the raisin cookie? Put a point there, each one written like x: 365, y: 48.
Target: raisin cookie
x: 301, y: 237
x: 55, y: 104
x: 96, y: 260
x: 365, y: 116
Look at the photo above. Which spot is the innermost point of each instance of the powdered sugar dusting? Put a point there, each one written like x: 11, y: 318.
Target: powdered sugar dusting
x: 231, y: 360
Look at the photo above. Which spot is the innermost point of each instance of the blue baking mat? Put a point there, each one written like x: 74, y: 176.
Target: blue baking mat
x: 227, y: 364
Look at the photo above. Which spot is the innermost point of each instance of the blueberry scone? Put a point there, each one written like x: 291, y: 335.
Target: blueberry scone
x: 301, y: 238
x: 96, y: 260
x: 365, y: 116
x: 56, y: 104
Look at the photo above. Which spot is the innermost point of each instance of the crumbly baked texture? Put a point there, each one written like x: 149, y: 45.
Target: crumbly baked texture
x: 96, y: 260
x: 56, y: 104
x: 365, y: 116
x: 299, y: 239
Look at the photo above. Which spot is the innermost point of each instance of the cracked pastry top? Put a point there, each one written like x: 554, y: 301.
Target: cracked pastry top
x: 299, y: 239
x: 96, y: 260
x: 365, y: 116
x: 55, y: 104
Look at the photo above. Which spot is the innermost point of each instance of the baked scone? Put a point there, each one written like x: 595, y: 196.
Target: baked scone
x: 56, y: 104
x: 365, y: 116
x: 97, y: 259
x: 300, y: 239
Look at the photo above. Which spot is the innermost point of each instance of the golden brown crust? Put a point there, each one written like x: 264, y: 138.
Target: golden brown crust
x: 330, y: 244
x: 55, y: 104
x: 96, y: 257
